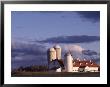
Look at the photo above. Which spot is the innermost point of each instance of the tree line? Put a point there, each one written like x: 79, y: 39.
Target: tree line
x: 34, y: 68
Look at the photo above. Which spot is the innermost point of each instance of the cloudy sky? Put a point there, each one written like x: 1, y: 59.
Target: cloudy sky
x: 34, y: 32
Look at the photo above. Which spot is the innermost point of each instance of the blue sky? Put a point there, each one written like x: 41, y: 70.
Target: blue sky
x: 42, y: 25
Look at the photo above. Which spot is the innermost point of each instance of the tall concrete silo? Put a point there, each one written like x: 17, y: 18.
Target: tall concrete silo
x: 52, y: 54
x: 58, y: 51
x: 68, y: 62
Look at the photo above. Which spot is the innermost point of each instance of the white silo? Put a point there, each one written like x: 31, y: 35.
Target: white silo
x: 52, y: 54
x: 58, y: 51
x: 68, y: 62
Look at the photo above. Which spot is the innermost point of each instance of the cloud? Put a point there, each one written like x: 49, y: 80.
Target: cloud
x: 27, y: 48
x: 28, y: 54
x: 75, y: 48
x: 18, y: 58
x: 81, y: 53
x: 89, y: 52
x: 34, y: 53
x: 93, y: 16
x: 71, y: 39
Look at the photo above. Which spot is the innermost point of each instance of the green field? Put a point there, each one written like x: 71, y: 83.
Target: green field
x: 56, y: 74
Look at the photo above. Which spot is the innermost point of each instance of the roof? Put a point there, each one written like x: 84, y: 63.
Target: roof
x: 78, y: 63
x: 57, y: 46
x: 55, y: 64
x: 82, y: 66
x: 61, y: 62
x: 67, y: 54
x: 52, y: 49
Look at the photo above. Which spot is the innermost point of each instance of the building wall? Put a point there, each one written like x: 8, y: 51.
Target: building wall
x: 75, y: 69
x: 93, y: 69
x: 90, y: 69
x: 86, y: 69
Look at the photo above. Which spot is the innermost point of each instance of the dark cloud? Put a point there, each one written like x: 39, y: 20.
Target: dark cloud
x: 89, y: 52
x: 32, y: 49
x: 26, y: 54
x: 93, y: 16
x: 72, y: 39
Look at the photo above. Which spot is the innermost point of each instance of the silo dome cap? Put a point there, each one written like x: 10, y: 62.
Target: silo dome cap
x: 68, y: 54
x: 57, y: 46
x: 52, y: 49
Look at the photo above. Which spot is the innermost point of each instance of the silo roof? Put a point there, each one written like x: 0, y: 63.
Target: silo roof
x: 57, y: 46
x: 67, y: 54
x: 52, y: 49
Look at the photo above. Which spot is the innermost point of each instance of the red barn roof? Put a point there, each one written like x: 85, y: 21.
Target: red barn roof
x: 78, y: 63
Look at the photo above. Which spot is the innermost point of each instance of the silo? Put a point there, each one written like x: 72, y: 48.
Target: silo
x: 52, y: 54
x: 68, y: 62
x: 58, y: 51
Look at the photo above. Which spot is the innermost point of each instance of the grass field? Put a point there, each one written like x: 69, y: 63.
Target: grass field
x: 56, y: 74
